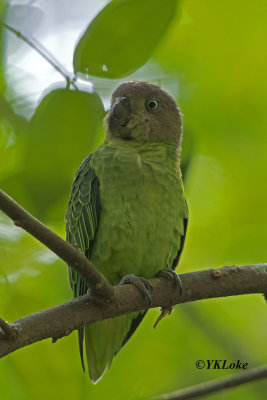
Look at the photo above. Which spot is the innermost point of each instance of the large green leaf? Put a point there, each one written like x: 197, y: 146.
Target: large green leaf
x: 63, y: 131
x: 122, y: 37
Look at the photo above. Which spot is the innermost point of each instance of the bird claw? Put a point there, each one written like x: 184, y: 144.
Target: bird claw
x: 164, y: 312
x: 142, y: 284
x: 171, y: 275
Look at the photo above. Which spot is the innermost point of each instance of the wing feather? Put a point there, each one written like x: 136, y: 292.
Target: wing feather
x: 82, y: 216
x: 81, y: 224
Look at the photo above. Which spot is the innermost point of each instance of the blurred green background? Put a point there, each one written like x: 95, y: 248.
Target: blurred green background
x: 211, y: 56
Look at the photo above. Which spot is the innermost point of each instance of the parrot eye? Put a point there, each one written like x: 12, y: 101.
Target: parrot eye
x: 152, y: 104
x: 125, y: 101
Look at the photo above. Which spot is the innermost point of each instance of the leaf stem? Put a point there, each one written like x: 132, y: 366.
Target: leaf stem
x: 40, y: 49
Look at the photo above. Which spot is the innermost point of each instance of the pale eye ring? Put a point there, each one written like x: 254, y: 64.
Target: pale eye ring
x: 152, y: 104
x: 125, y: 100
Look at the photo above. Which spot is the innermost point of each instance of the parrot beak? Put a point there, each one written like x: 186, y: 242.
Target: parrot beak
x: 121, y: 109
x: 118, y: 118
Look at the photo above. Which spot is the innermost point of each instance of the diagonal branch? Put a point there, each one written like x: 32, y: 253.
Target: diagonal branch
x: 61, y: 320
x: 214, y: 386
x: 68, y: 253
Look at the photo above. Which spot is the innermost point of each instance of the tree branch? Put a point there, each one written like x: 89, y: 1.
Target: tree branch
x: 68, y: 253
x: 216, y: 385
x: 61, y: 320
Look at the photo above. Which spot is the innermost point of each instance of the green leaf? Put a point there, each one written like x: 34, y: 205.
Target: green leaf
x: 63, y: 131
x: 122, y: 37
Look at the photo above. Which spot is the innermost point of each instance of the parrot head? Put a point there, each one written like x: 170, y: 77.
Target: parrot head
x: 143, y: 112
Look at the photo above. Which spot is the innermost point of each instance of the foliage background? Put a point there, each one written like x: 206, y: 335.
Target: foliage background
x: 213, y: 60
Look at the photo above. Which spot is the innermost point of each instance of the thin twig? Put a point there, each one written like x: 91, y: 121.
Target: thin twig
x: 40, y: 49
x: 61, y: 320
x: 68, y: 253
x: 216, y: 385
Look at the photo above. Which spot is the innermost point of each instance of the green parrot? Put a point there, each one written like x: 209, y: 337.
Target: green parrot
x: 127, y: 210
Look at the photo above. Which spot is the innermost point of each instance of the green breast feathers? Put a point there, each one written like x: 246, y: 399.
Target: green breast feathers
x: 142, y: 209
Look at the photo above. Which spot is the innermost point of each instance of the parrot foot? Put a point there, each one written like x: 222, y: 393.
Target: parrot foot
x: 142, y: 284
x: 171, y: 275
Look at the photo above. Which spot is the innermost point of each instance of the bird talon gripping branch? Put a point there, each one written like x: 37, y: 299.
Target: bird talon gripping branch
x: 142, y: 284
x: 127, y: 210
x: 171, y: 275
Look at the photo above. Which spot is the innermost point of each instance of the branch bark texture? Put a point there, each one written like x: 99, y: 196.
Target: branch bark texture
x: 61, y: 320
